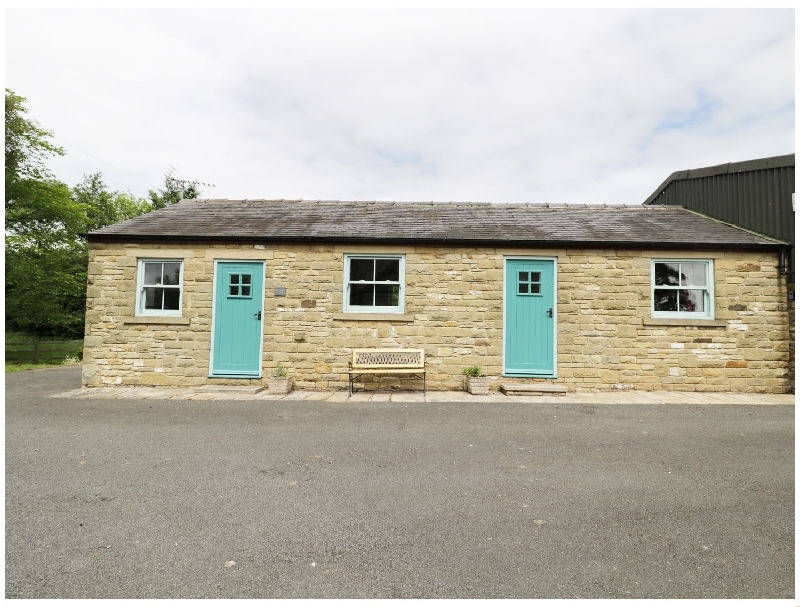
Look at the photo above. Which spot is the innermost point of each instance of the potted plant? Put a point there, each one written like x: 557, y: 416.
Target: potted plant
x: 477, y: 382
x: 280, y: 382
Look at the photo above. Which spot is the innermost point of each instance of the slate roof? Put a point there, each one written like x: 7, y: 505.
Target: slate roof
x: 259, y: 221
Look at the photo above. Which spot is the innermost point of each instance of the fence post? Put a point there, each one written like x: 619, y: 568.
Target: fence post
x: 36, y: 352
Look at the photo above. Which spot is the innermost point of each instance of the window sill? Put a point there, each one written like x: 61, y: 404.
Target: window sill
x: 372, y: 317
x: 684, y: 322
x: 155, y: 320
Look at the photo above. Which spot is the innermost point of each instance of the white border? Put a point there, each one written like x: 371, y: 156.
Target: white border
x: 214, y: 313
x: 506, y: 259
x: 348, y: 309
x: 140, y: 309
x: 708, y: 315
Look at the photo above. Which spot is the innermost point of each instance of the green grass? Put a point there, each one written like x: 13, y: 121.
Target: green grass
x: 14, y: 367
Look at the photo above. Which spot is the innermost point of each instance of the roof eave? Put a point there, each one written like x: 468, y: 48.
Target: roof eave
x: 601, y: 244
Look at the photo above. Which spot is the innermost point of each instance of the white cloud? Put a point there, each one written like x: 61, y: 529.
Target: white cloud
x: 558, y: 106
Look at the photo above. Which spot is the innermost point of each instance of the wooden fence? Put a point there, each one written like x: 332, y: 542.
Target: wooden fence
x: 40, y: 351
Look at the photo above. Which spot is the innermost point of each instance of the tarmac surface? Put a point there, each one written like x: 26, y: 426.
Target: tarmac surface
x: 176, y: 496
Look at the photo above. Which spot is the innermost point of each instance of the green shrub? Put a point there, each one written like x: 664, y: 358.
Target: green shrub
x: 473, y: 371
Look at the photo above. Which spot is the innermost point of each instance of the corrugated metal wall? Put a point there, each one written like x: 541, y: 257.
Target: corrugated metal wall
x: 758, y: 200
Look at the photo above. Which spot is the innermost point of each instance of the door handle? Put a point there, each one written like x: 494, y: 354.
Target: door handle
x: 258, y: 315
x: 550, y: 312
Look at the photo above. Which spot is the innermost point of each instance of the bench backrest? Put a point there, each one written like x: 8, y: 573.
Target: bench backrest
x: 397, y: 358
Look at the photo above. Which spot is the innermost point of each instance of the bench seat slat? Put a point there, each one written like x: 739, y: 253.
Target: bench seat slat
x: 361, y: 371
x: 399, y: 367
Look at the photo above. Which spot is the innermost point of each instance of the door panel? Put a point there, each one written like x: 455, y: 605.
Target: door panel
x: 238, y: 311
x: 529, y: 317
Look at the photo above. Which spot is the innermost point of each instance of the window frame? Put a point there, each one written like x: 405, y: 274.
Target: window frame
x: 140, y: 287
x: 353, y: 309
x: 708, y: 299
x: 530, y: 283
x: 240, y: 286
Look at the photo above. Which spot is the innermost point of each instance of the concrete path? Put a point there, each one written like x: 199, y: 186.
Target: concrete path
x: 628, y: 397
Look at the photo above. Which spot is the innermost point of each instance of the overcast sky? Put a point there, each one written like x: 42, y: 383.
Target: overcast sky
x: 491, y: 106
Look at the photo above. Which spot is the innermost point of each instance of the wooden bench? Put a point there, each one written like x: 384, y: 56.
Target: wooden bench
x: 395, y: 362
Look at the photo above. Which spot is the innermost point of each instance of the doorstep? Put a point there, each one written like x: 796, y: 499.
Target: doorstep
x: 510, y: 389
x: 221, y: 388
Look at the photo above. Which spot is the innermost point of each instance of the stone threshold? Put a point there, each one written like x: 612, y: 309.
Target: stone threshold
x: 510, y: 389
x: 220, y: 388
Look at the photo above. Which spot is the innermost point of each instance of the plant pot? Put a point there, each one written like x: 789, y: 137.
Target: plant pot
x: 279, y: 385
x: 478, y: 385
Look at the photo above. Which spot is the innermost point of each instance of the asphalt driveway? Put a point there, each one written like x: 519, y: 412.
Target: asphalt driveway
x: 147, y: 498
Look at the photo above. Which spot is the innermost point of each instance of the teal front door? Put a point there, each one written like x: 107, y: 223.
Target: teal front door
x: 530, y: 318
x: 238, y: 311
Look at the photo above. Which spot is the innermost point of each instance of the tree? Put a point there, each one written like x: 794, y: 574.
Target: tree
x: 46, y: 258
x: 27, y: 146
x: 174, y: 191
x: 46, y: 223
x: 46, y: 262
x: 47, y: 254
x: 35, y: 202
x: 45, y: 289
x: 104, y: 207
x: 43, y: 210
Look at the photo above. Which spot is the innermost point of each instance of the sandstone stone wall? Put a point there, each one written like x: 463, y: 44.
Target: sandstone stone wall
x: 454, y: 310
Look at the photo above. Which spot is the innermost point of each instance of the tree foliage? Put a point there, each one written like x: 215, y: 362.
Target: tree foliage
x: 103, y: 207
x: 46, y: 222
x: 174, y: 191
x: 46, y: 289
x: 42, y: 221
x: 27, y: 146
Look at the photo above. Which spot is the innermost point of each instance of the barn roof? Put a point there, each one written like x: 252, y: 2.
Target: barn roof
x: 754, y: 194
x: 239, y: 221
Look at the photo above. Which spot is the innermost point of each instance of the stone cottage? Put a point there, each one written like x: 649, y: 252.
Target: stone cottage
x: 585, y: 297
